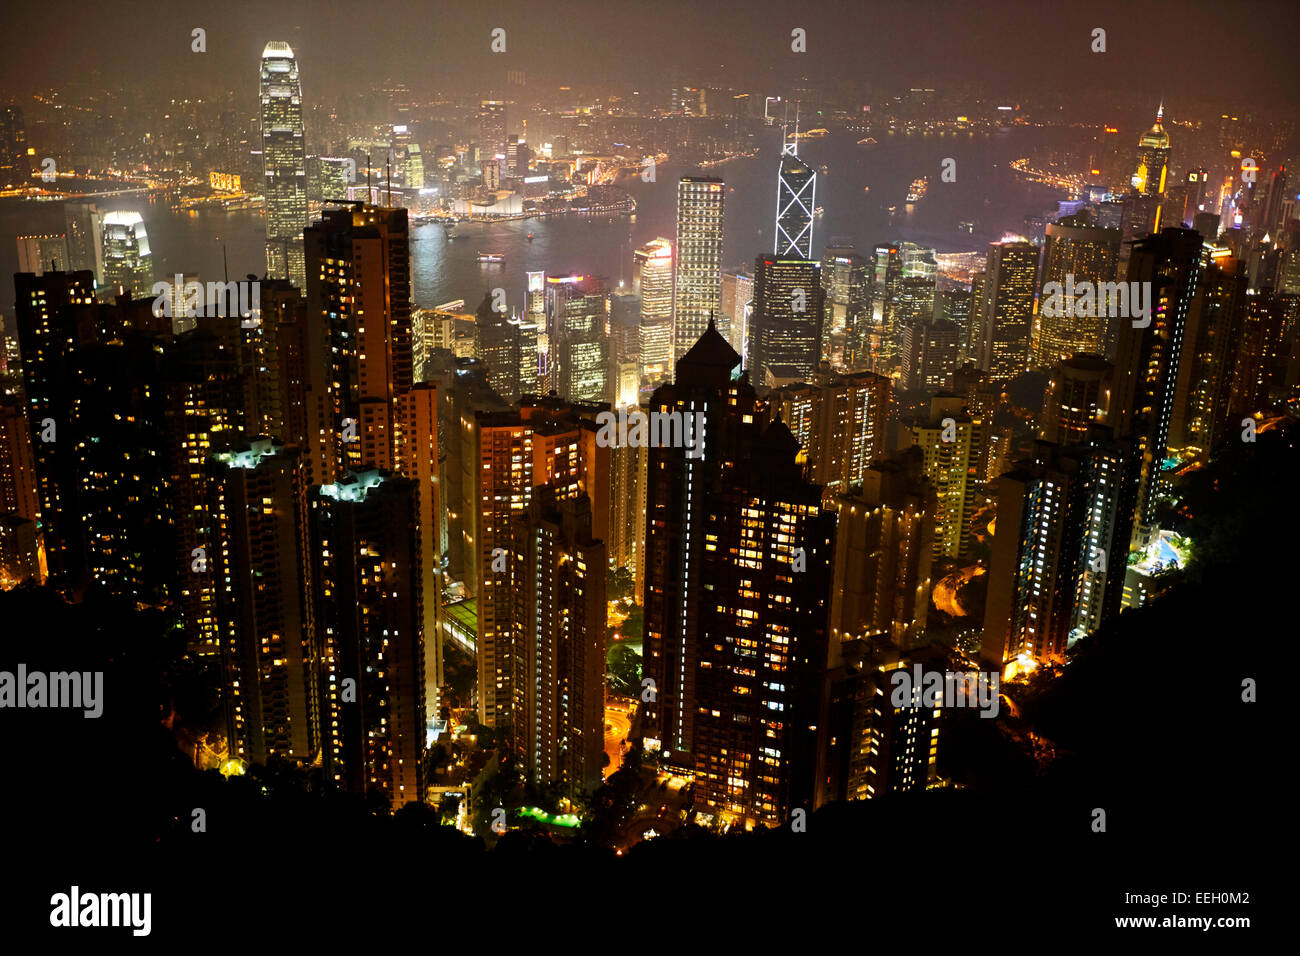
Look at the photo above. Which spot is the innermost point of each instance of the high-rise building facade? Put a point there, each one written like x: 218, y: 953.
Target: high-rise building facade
x: 1059, y: 554
x: 785, y: 326
x: 697, y: 276
x: 953, y: 442
x: 284, y: 163
x: 128, y: 260
x: 365, y: 534
x: 1007, y: 309
x: 796, y: 200
x: 559, y: 623
x: 653, y: 281
x: 1076, y: 252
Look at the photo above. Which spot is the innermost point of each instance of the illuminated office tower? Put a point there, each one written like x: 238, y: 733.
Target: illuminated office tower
x: 1075, y: 252
x: 737, y: 304
x: 884, y: 544
x: 1059, y: 554
x: 1215, y: 326
x: 84, y: 226
x: 579, y: 338
x: 284, y: 163
x: 625, y: 336
x: 913, y: 305
x: 496, y: 345
x: 50, y: 336
x: 796, y: 188
x: 407, y: 158
x: 1147, y: 359
x: 336, y: 173
x: 261, y: 574
x: 359, y: 336
x: 653, y: 279
x: 786, y: 321
x: 128, y: 262
x: 1077, y: 397
x: 886, y: 336
x: 953, y: 442
x: 973, y: 331
x: 15, y: 164
x: 840, y: 424
x: 697, y: 279
x: 1007, y: 309
x: 36, y: 254
x: 491, y: 129
x: 508, y: 454
x: 528, y: 334
x: 1152, y: 165
x: 365, y: 540
x: 846, y: 278
x: 559, y: 623
x: 535, y: 314
x: 930, y: 352
x: 18, y: 492
x: 761, y: 637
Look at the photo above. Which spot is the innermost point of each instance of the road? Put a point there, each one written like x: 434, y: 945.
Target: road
x: 945, y: 592
x: 618, y: 724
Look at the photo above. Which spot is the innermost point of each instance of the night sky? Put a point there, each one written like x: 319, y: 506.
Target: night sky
x: 1207, y: 51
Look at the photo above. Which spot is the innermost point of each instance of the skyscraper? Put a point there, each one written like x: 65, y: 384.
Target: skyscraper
x: 884, y: 543
x: 1059, y: 554
x: 359, y: 337
x: 559, y: 622
x: 737, y: 303
x: 697, y: 280
x: 1075, y: 252
x: 365, y: 534
x: 261, y: 569
x: 1148, y: 356
x: 1152, y: 165
x: 786, y: 323
x: 840, y: 424
x: 1215, y: 331
x: 796, y: 187
x: 653, y: 280
x: 128, y: 261
x: 15, y: 165
x: 1078, y: 396
x: 284, y: 163
x: 1007, y: 310
x: 953, y: 443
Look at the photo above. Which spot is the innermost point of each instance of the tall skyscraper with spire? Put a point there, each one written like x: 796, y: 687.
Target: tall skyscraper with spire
x: 284, y: 162
x: 1153, y: 161
x: 796, y: 188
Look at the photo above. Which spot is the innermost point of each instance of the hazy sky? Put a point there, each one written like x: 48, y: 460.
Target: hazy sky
x: 1238, y: 52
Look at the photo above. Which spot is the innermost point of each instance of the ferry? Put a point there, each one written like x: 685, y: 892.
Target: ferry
x: 530, y: 237
x: 491, y: 257
x: 867, y: 141
x: 917, y: 192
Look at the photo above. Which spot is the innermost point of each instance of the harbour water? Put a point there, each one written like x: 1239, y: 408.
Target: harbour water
x: 856, y: 191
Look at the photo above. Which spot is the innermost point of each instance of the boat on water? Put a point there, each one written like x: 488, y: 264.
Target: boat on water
x: 819, y: 212
x: 867, y: 141
x: 917, y: 191
x: 492, y: 257
x: 530, y: 237
x: 823, y: 170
